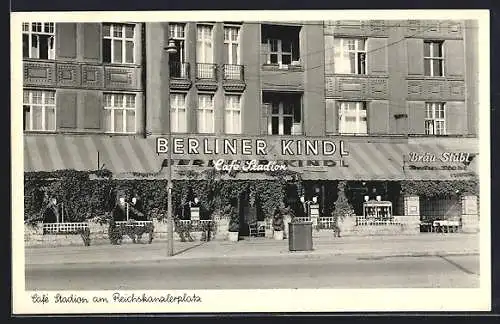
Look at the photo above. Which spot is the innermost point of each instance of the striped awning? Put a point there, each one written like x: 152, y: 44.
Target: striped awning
x: 367, y: 160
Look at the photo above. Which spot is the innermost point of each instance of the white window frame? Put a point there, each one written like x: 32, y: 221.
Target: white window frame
x: 232, y: 105
x: 114, y: 107
x: 202, y: 110
x: 432, y: 117
x: 279, y: 53
x: 200, y: 55
x: 27, y: 29
x: 344, y: 113
x: 178, y: 103
x: 281, y: 118
x: 43, y: 106
x: 177, y: 31
x: 432, y: 58
x: 345, y: 55
x: 123, y: 40
x: 231, y: 30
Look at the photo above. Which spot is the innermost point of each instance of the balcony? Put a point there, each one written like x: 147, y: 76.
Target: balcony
x: 206, y: 71
x: 206, y: 76
x: 233, y: 77
x: 179, y: 75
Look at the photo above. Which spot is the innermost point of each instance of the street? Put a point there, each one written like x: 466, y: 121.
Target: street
x: 323, y: 271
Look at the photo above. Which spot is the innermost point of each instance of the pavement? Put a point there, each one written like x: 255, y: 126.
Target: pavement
x: 281, y: 272
x: 425, y: 244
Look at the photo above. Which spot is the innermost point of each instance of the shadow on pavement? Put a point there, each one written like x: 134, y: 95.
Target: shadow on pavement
x: 189, y: 248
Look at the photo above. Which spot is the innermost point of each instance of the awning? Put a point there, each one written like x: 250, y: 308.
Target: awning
x: 367, y: 160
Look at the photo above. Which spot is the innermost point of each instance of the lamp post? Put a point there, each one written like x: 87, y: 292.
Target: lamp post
x: 170, y: 49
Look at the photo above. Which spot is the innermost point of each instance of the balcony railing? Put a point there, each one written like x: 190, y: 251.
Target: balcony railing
x: 234, y: 72
x: 207, y: 71
x: 179, y: 70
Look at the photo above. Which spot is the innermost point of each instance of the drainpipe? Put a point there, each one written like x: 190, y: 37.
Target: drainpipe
x: 144, y: 80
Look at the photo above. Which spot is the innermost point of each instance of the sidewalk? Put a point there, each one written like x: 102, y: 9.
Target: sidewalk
x: 366, y: 247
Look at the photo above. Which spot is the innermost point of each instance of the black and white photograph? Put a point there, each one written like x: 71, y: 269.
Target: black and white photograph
x: 250, y: 161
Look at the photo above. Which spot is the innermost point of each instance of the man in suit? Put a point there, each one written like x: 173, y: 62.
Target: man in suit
x: 51, y: 212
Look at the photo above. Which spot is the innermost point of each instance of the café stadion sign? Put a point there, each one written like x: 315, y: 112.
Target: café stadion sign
x: 284, y: 149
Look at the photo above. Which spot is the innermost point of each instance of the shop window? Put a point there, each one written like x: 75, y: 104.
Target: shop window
x: 349, y: 56
x: 118, y: 43
x: 39, y: 110
x: 120, y: 112
x: 285, y: 115
x: 433, y: 58
x: 435, y: 118
x: 232, y: 116
x: 178, y: 120
x: 39, y: 40
x: 205, y: 113
x: 280, y: 45
x: 352, y: 117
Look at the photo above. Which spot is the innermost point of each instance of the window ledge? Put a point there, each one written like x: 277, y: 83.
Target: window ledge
x: 355, y: 75
x: 276, y: 67
x: 434, y: 78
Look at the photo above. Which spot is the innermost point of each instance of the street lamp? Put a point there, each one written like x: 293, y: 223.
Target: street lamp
x: 170, y: 49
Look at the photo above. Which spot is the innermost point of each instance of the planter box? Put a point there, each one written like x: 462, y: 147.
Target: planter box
x: 278, y: 235
x: 233, y: 236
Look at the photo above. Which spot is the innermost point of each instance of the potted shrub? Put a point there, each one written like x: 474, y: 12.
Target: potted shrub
x: 343, y: 213
x: 278, y: 224
x: 234, y: 225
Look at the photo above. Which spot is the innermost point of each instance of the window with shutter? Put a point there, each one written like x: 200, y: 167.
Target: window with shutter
x: 39, y: 40
x: 120, y: 112
x: 39, y: 108
x: 350, y: 56
x: 118, y: 43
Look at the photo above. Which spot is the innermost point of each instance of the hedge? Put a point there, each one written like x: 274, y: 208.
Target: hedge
x: 86, y: 197
x: 87, y: 194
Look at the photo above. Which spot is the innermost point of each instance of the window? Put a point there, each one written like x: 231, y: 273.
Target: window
x: 285, y: 114
x: 119, y: 112
x: 178, y: 122
x: 434, y: 118
x: 178, y: 67
x: 349, y: 56
x: 205, y: 113
x: 118, y: 43
x: 280, y: 44
x: 352, y: 118
x: 177, y: 33
x: 232, y: 45
x: 233, y: 114
x: 39, y: 40
x: 39, y: 110
x: 204, y: 46
x: 433, y: 58
x: 204, y: 53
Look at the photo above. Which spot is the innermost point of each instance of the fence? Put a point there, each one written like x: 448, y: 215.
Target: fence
x: 64, y: 228
x: 233, y: 72
x: 206, y: 71
x: 363, y: 221
x: 134, y: 223
x: 197, y: 225
x: 326, y: 222
x: 179, y: 70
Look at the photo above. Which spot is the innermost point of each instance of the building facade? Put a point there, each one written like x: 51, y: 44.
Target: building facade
x: 99, y: 95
